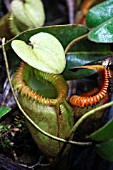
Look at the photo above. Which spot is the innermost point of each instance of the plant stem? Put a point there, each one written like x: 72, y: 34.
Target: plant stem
x: 90, y: 113
x: 74, y: 42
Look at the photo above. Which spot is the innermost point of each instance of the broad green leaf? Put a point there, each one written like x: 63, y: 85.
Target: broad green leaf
x: 30, y: 13
x: 99, y: 14
x: 105, y: 150
x: 44, y: 52
x: 79, y: 59
x: 103, y: 33
x: 89, y: 46
x: 64, y: 33
x: 104, y: 133
x: 4, y: 110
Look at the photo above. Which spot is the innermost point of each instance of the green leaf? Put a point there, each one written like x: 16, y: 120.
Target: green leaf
x: 44, y: 52
x: 64, y: 33
x: 105, y: 150
x: 79, y: 59
x: 103, y: 33
x: 89, y: 46
x: 104, y: 133
x: 99, y: 14
x: 4, y: 110
x: 30, y: 13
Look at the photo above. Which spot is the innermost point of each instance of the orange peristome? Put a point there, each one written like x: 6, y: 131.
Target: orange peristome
x: 22, y: 87
x: 90, y: 93
x: 89, y: 100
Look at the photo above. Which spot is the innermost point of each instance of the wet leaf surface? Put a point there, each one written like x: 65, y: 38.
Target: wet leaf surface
x: 99, y: 14
x: 103, y: 33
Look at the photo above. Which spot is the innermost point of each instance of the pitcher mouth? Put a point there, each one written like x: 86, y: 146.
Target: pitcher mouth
x: 55, y: 84
x: 90, y: 98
